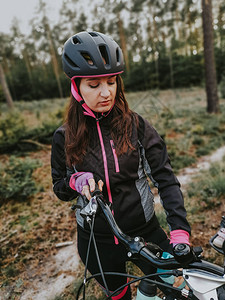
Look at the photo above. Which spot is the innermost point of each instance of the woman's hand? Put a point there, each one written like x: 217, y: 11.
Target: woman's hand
x: 84, y: 183
x: 89, y: 186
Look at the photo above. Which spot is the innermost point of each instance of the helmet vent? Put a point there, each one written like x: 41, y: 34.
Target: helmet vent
x: 70, y: 61
x: 92, y: 33
x: 104, y: 54
x: 88, y: 58
x: 76, y: 41
x: 117, y: 55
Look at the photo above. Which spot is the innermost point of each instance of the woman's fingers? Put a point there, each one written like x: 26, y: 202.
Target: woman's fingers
x: 91, y: 183
x: 86, y: 192
x: 100, y: 185
x: 90, y: 187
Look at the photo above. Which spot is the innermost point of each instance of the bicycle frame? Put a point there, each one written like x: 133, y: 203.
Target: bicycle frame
x: 204, y: 280
x: 205, y: 285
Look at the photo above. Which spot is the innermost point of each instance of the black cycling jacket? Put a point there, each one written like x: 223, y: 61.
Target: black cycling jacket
x: 125, y: 182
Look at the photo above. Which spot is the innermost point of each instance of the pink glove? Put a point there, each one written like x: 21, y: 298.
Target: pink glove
x: 179, y: 236
x: 79, y: 179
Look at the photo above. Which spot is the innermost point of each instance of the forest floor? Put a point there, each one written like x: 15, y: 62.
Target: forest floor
x: 34, y: 265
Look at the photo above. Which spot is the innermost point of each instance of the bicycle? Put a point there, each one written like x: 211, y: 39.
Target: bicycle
x: 202, y: 280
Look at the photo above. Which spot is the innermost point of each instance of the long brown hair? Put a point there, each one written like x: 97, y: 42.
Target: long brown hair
x: 77, y: 133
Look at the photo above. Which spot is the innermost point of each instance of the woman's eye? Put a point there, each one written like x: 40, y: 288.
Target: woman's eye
x: 93, y: 86
x: 111, y: 83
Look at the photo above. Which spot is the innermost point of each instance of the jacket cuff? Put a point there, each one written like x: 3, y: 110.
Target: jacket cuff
x: 73, y: 178
x: 179, y: 236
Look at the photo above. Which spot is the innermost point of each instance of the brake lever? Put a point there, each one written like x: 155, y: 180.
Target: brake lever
x: 90, y: 209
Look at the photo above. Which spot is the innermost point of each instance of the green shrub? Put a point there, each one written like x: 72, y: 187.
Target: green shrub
x: 12, y: 128
x: 16, y: 180
x: 218, y: 185
x: 43, y: 133
x: 181, y: 161
x: 211, y: 127
x: 213, y: 143
x: 208, y: 187
x: 197, y: 140
x: 197, y: 129
x: 16, y: 136
x: 205, y: 150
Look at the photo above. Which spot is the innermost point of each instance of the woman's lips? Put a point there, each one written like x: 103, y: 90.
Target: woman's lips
x: 105, y: 103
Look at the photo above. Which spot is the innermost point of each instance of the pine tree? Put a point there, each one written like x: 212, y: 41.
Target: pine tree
x: 210, y: 69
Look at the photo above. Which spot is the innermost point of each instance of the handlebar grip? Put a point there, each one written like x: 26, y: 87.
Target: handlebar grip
x: 183, y: 254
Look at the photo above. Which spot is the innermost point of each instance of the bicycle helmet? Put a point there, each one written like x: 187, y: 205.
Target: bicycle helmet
x: 91, y: 54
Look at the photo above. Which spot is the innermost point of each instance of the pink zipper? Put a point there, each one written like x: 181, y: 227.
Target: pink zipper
x: 115, y: 156
x: 105, y: 162
x: 106, y: 171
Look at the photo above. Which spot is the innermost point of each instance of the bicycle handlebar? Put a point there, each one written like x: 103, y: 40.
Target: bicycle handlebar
x: 137, y: 246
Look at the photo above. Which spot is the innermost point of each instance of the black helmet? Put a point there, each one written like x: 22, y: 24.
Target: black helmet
x: 91, y: 54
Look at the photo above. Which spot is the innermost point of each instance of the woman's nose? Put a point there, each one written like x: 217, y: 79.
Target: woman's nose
x: 105, y: 92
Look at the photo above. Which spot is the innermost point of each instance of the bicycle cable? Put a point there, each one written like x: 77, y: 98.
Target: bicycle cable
x: 146, y: 277
x: 87, y: 257
x: 92, y: 238
x: 176, y: 290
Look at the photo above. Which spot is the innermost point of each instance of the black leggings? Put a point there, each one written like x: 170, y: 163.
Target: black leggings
x: 114, y: 257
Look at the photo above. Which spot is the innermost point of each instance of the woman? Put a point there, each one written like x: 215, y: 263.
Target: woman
x: 104, y: 142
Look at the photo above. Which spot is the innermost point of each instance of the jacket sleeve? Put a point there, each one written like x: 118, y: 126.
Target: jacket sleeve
x: 60, y: 172
x: 164, y: 178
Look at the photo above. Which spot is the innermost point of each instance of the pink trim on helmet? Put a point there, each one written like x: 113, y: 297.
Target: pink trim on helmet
x: 100, y: 75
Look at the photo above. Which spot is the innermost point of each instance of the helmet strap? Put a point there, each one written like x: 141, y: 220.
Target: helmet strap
x: 74, y: 91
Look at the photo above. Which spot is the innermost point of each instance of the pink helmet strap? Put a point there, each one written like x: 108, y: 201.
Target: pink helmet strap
x: 76, y: 95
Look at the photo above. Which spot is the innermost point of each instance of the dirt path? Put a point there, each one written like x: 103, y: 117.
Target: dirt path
x: 60, y: 269
x: 185, y: 176
x: 56, y: 274
x: 204, y: 163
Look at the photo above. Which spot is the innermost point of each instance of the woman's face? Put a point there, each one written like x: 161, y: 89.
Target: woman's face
x: 99, y: 92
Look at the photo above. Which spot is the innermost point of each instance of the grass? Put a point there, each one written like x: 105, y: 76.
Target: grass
x: 38, y: 111
x: 208, y: 189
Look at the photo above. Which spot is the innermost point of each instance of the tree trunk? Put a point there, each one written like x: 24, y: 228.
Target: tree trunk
x: 7, y: 66
x: 54, y: 61
x: 27, y: 63
x: 5, y: 88
x: 210, y: 69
